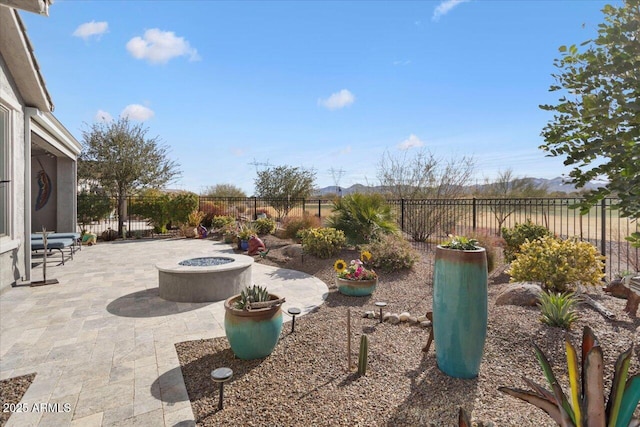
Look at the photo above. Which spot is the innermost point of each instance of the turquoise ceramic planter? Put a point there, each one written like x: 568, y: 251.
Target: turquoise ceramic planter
x: 356, y: 288
x: 460, y: 310
x: 252, y: 334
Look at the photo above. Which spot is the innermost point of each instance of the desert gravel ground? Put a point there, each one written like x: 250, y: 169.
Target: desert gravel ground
x: 306, y: 381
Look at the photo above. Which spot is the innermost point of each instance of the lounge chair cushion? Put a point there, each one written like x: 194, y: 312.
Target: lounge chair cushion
x: 38, y: 245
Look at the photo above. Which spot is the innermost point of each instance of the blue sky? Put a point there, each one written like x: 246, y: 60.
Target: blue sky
x: 329, y: 85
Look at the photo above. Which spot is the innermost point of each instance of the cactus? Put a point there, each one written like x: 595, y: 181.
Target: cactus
x: 251, y: 294
x: 362, y: 356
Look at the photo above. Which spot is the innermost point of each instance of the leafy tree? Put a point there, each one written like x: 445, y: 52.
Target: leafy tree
x: 426, y: 182
x: 284, y: 186
x: 121, y: 158
x: 224, y: 190
x: 506, y: 186
x: 596, y: 122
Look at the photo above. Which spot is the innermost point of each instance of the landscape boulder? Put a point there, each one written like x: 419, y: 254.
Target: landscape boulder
x: 523, y: 294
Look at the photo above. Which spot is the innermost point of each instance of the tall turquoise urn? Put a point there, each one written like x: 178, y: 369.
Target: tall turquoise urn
x: 252, y: 334
x: 460, y: 281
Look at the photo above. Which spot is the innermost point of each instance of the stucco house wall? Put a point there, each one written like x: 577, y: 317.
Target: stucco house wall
x: 12, y: 255
x: 32, y: 140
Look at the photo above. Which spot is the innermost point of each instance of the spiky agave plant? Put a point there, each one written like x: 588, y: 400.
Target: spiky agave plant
x: 558, y: 309
x: 587, y: 406
x: 251, y: 294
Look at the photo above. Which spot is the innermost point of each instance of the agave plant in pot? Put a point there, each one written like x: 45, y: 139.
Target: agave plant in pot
x: 356, y: 279
x: 253, y: 322
x: 460, y: 281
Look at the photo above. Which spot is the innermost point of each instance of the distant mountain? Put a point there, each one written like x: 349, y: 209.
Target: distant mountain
x: 558, y: 184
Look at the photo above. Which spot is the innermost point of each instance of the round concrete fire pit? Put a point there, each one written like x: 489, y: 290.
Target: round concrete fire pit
x: 204, y: 279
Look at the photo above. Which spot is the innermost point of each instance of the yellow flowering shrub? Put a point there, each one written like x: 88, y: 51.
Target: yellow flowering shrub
x: 558, y: 265
x: 322, y: 242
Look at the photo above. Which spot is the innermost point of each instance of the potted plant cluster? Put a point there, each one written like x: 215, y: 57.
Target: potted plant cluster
x: 193, y: 222
x: 356, y: 279
x: 244, y: 234
x: 460, y: 281
x: 253, y: 322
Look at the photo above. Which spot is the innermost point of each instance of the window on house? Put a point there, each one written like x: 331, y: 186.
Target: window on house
x: 4, y: 171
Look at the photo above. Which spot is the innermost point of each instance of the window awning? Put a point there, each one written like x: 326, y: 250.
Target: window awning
x: 36, y: 6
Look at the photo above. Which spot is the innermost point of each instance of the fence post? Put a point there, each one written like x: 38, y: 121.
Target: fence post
x: 603, y: 228
x: 255, y: 208
x: 402, y: 214
x: 473, y: 224
x: 319, y: 209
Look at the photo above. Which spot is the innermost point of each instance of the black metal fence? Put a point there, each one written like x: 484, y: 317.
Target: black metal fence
x: 424, y: 222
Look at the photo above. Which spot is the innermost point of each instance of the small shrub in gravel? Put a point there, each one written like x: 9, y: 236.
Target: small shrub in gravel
x: 264, y: 226
x: 558, y: 265
x: 293, y: 225
x: 516, y: 236
x: 220, y: 221
x: 392, y: 253
x: 322, y: 242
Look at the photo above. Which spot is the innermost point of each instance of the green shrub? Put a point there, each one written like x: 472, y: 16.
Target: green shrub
x: 516, y: 236
x: 362, y: 217
x: 322, y: 242
x: 558, y: 265
x: 220, y: 221
x: 558, y: 309
x: 264, y: 225
x: 93, y: 206
x: 181, y: 205
x: 392, y: 253
x: 293, y: 224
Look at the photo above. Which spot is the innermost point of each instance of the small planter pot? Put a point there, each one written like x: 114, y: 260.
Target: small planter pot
x: 244, y: 245
x: 356, y: 288
x: 252, y: 334
x: 460, y: 310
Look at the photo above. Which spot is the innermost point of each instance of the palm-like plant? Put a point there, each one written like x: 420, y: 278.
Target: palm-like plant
x: 587, y: 405
x: 362, y: 217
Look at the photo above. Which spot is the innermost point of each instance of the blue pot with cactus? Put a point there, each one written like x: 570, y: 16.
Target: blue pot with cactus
x: 253, y: 322
x: 460, y: 306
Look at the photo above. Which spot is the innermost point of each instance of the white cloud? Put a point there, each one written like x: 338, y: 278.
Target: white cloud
x: 92, y: 28
x: 402, y: 63
x: 137, y: 112
x: 411, y: 142
x: 445, y: 7
x: 337, y: 100
x: 158, y: 47
x: 103, y: 116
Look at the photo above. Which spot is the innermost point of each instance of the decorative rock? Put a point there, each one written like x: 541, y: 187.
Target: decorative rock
x: 522, y: 294
x: 386, y: 316
x: 293, y: 250
x: 369, y: 314
x: 422, y: 319
x: 425, y: 324
x: 404, y: 316
x: 394, y: 319
x: 413, y: 319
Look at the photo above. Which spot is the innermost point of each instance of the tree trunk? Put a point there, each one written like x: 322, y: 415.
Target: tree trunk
x: 122, y: 212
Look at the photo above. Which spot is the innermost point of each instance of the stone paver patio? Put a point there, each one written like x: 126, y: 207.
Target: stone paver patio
x: 102, y: 340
